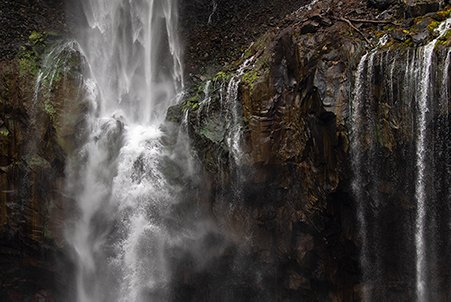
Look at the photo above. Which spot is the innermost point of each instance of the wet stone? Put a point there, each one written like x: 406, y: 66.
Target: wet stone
x: 420, y: 37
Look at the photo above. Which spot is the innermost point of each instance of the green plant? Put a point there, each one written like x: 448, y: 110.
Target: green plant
x: 37, y: 37
x: 50, y: 109
x: 444, y: 13
x: 250, y: 77
x: 28, y: 62
x: 221, y: 76
x: 433, y: 25
x: 191, y: 103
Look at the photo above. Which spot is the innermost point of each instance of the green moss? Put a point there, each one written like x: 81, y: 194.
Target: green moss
x: 50, y: 110
x: 4, y: 132
x: 28, y: 62
x: 446, y: 36
x: 444, y: 40
x: 221, y: 76
x: 191, y: 103
x: 51, y: 79
x: 250, y: 77
x: 433, y: 25
x: 389, y: 28
x: 441, y: 42
x: 248, y: 53
x: 29, y: 56
x: 36, y: 162
x: 408, y: 43
x: 37, y: 37
x: 445, y: 13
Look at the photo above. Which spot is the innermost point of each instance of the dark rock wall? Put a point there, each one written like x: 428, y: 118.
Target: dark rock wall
x: 233, y: 26
x: 40, y: 125
x: 18, y: 18
x: 389, y: 141
x: 295, y: 200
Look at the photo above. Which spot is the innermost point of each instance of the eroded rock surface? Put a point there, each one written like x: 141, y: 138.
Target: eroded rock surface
x: 284, y: 202
x: 290, y: 185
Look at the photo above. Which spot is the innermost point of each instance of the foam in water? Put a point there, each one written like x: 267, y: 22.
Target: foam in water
x: 119, y: 239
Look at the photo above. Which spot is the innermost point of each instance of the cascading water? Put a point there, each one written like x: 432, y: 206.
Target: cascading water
x: 119, y: 237
x: 398, y: 95
x: 213, y: 11
x: 235, y: 131
x: 358, y: 98
x: 420, y: 190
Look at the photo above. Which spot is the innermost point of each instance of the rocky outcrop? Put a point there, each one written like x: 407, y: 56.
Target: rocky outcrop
x: 216, y: 32
x: 290, y: 183
x: 415, y: 8
x: 41, y: 115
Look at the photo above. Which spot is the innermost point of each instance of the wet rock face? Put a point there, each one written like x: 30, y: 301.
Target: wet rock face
x: 414, y: 8
x: 294, y: 201
x: 297, y: 146
x: 41, y: 123
x: 388, y: 173
x: 294, y: 181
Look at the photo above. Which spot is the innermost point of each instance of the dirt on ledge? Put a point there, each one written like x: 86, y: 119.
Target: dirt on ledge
x: 233, y: 26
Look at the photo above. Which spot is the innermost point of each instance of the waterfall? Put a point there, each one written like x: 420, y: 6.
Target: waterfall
x: 235, y: 123
x: 205, y: 103
x: 356, y: 146
x: 398, y: 96
x: 213, y: 11
x: 420, y: 190
x: 421, y: 166
x: 307, y: 6
x: 117, y: 180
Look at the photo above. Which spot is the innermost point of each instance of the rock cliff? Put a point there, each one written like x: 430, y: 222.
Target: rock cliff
x: 288, y: 173
x: 270, y: 125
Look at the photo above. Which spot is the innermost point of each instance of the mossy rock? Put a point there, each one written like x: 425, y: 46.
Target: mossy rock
x: 444, y: 40
x: 29, y: 62
x: 35, y: 162
x: 37, y: 37
x: 213, y: 130
x: 4, y: 132
x: 221, y: 76
x: 249, y: 78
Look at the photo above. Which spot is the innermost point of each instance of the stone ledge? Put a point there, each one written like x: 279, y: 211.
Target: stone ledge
x: 415, y: 8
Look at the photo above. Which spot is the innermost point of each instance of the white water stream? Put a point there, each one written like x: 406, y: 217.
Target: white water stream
x: 418, y: 96
x: 421, y: 150
x: 134, y: 57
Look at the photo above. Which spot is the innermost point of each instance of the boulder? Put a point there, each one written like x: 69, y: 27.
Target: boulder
x: 414, y: 8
